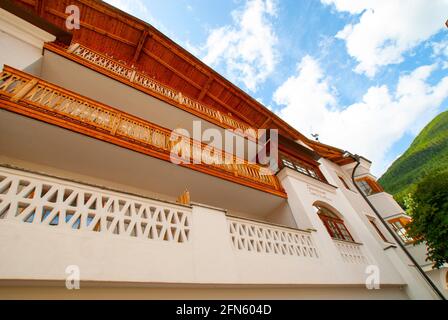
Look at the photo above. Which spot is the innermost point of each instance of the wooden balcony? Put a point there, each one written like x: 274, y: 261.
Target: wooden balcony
x: 140, y: 81
x: 27, y: 95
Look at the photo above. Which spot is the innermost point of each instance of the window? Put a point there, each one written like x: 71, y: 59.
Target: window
x: 288, y: 164
x: 400, y: 229
x: 335, y: 225
x: 302, y: 167
x: 365, y: 187
x: 373, y: 223
x: 344, y: 183
x: 368, y: 186
x: 313, y: 173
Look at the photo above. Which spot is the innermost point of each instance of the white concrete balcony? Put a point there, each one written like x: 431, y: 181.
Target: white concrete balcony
x: 420, y: 253
x: 385, y: 204
x: 47, y: 224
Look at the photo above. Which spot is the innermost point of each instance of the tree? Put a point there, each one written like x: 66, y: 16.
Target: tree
x: 428, y: 206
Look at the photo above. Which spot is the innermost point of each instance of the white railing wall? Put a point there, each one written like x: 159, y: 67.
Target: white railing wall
x: 48, y: 223
x: 351, y: 252
x: 262, y: 238
x: 58, y: 204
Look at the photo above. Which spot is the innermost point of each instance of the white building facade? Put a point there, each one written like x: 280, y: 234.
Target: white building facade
x: 86, y: 197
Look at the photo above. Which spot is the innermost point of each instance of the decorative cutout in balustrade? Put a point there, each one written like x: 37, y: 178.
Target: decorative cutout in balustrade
x: 351, y: 252
x: 263, y: 238
x: 70, y: 108
x: 141, y: 79
x: 29, y: 198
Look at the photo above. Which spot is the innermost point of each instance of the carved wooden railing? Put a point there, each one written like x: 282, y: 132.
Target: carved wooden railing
x: 146, y: 83
x: 25, y: 94
x: 63, y: 205
x: 263, y: 238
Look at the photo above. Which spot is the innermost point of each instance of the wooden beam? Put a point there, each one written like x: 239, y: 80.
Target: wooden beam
x: 138, y: 50
x: 230, y: 109
x: 205, y: 88
x: 266, y: 122
x: 166, y: 65
x: 40, y: 7
x: 93, y: 28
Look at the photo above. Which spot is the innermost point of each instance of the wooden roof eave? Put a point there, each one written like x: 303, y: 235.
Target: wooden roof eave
x: 144, y: 31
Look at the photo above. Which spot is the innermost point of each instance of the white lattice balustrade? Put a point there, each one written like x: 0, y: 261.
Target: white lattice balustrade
x: 269, y: 239
x: 351, y: 252
x: 40, y: 200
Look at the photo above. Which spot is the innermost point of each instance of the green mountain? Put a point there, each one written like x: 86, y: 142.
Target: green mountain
x: 427, y: 153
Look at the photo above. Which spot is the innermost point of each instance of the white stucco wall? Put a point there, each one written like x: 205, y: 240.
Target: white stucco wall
x: 21, y: 42
x: 40, y: 253
x: 304, y: 191
x: 385, y: 204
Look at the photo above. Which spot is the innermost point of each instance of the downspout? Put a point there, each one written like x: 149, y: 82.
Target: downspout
x: 393, y: 234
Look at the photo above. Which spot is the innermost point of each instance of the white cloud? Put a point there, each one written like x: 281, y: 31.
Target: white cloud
x: 388, y: 28
x: 369, y: 127
x: 139, y: 9
x: 245, y: 49
x: 440, y: 48
x: 440, y: 51
x: 135, y: 7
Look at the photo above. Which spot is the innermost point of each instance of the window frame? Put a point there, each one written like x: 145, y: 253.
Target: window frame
x: 302, y: 167
x: 400, y: 231
x: 335, y: 226
x: 377, y: 229
x: 367, y: 182
x: 363, y: 185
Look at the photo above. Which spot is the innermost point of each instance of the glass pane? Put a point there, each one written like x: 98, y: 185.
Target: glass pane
x: 288, y: 164
x: 313, y: 173
x: 301, y: 169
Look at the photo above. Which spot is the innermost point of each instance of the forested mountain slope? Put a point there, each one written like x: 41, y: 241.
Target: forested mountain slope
x: 427, y: 153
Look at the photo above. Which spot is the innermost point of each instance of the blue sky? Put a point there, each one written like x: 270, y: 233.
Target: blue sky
x: 366, y: 75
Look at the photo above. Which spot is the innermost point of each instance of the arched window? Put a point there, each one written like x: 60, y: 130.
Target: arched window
x: 334, y: 224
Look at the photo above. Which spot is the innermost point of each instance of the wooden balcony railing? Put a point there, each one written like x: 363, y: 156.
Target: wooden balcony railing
x: 141, y: 81
x: 22, y: 93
